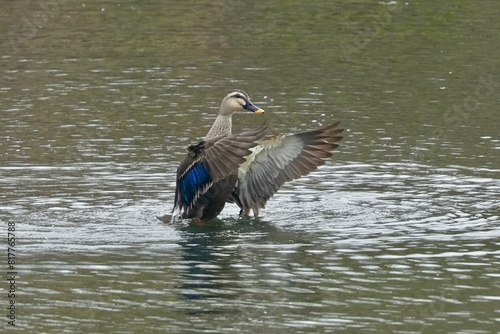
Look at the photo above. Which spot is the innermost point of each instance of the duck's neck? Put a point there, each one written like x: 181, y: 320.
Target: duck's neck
x: 221, y: 127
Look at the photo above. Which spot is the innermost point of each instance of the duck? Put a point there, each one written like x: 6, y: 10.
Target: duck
x: 246, y: 168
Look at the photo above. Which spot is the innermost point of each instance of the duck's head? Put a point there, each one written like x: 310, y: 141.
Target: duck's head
x: 236, y: 101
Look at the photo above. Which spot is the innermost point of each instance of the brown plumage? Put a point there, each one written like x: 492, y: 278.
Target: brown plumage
x: 280, y: 159
x: 244, y: 168
x: 207, y: 175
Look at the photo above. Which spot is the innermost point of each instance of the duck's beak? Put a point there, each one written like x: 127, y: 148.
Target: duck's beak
x: 252, y: 107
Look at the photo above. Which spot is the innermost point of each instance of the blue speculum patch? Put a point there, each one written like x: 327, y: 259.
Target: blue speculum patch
x: 194, y: 179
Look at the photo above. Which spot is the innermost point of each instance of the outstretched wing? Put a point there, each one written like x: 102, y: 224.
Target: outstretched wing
x: 280, y: 159
x: 210, y: 161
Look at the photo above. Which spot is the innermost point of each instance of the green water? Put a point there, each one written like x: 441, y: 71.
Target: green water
x: 398, y: 232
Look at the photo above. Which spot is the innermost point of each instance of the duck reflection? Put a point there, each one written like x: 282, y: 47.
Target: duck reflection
x: 210, y: 253
x: 201, y: 277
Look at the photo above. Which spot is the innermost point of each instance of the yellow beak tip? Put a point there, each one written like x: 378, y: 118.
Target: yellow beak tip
x: 259, y: 111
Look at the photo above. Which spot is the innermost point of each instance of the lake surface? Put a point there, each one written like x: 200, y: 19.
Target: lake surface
x: 398, y: 232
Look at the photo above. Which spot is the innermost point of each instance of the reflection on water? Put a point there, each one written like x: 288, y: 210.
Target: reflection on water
x: 397, y: 233
x: 352, y: 246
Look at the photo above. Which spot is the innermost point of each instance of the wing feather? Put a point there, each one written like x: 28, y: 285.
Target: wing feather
x: 280, y: 159
x: 208, y: 162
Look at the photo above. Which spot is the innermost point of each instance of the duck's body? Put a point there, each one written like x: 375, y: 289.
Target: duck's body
x: 210, y: 203
x: 209, y: 172
x: 242, y: 168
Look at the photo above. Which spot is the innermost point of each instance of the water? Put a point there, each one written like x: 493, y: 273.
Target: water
x: 398, y: 232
